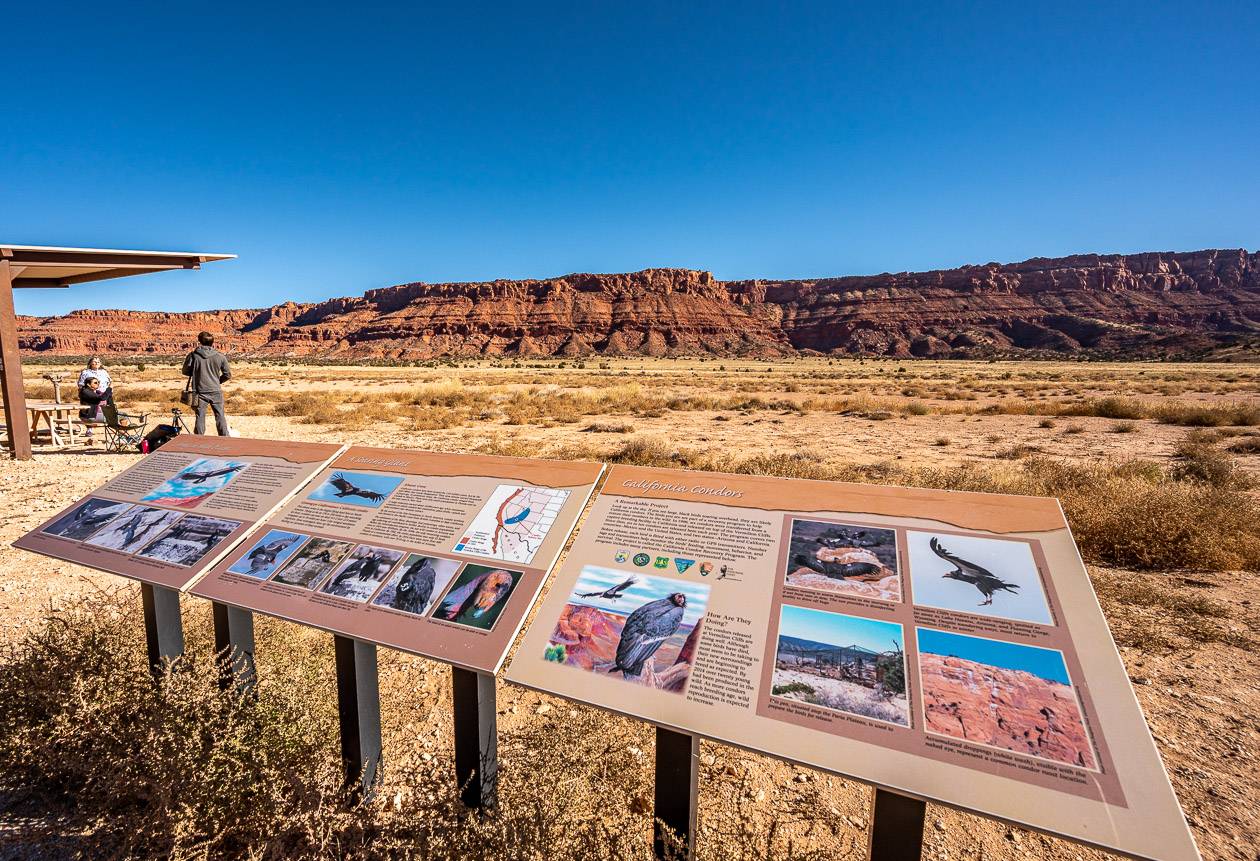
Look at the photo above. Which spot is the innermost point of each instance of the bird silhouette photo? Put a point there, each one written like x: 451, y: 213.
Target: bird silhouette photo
x: 365, y: 568
x: 312, y: 563
x: 189, y: 540
x: 633, y: 627
x: 416, y: 583
x: 85, y: 518
x: 268, y: 554
x: 979, y: 575
x: 367, y: 489
x: 196, y: 483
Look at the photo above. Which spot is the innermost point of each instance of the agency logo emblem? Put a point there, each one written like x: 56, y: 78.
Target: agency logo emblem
x: 683, y: 564
x: 620, y: 556
x: 661, y: 562
x: 706, y: 568
x: 641, y: 559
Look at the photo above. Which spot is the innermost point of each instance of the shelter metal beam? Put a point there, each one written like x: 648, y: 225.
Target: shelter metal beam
x: 14, y: 395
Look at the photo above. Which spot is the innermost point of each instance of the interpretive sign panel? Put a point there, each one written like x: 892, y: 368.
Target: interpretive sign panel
x: 437, y: 554
x: 171, y: 516
x: 945, y: 645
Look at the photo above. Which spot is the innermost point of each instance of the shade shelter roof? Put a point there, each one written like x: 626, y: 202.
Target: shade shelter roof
x: 54, y: 266
x: 31, y: 266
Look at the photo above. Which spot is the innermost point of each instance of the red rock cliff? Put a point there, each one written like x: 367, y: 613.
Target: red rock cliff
x: 1141, y: 304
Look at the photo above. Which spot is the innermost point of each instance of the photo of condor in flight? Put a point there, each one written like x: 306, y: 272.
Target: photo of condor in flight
x: 357, y: 488
x: 194, y: 476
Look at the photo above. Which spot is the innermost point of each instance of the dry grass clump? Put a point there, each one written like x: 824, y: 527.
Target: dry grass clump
x: 1247, y: 445
x: 98, y: 762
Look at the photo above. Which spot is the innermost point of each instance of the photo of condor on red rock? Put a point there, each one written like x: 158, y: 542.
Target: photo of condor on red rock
x: 843, y: 559
x: 1000, y: 694
x: 631, y: 626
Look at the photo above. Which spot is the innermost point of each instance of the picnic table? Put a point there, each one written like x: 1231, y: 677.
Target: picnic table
x: 51, y: 413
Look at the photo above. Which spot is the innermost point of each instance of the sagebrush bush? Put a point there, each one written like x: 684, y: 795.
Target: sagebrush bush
x: 104, y: 764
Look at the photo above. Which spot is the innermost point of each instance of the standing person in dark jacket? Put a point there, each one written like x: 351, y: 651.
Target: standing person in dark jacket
x: 207, y: 369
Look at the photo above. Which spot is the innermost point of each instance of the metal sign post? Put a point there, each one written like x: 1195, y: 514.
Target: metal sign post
x: 234, y: 647
x: 476, y: 737
x: 163, y: 627
x: 896, y: 832
x: 359, y: 710
x: 677, y: 786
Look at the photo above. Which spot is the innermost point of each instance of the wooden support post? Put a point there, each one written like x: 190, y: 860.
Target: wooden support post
x: 896, y: 832
x: 677, y: 787
x: 163, y: 627
x: 359, y: 709
x: 14, y: 395
x: 476, y: 737
x: 234, y: 647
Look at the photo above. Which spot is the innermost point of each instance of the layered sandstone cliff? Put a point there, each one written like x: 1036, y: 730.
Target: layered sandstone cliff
x: 1141, y: 304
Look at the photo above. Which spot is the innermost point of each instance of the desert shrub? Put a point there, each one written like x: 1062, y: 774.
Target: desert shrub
x: 116, y: 767
x: 1115, y: 408
x: 792, y: 688
x: 300, y: 405
x: 1246, y: 445
x: 1197, y: 458
x: 609, y: 427
x: 1215, y: 415
x: 917, y: 408
x: 1124, y: 427
x: 1046, y: 423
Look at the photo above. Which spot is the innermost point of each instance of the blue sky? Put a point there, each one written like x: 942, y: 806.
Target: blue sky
x: 837, y: 629
x: 338, y: 149
x: 1045, y: 663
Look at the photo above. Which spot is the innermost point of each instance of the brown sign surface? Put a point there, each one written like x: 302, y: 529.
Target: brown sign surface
x: 171, y: 516
x: 437, y: 554
x: 945, y: 645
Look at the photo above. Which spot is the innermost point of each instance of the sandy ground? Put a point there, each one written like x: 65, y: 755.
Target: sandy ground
x: 1201, y: 699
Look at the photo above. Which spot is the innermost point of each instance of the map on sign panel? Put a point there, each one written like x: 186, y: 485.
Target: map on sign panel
x: 513, y: 523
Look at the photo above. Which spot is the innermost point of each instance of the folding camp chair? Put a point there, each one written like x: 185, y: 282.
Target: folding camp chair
x: 123, y: 431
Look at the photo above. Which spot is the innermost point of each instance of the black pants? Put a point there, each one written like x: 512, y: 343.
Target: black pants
x: 215, y: 404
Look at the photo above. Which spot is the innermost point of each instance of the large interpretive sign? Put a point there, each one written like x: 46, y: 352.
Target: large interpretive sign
x: 945, y: 645
x: 168, y: 518
x: 437, y: 554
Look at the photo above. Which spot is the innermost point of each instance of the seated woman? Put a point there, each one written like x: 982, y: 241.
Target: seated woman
x: 95, y: 369
x: 92, y: 397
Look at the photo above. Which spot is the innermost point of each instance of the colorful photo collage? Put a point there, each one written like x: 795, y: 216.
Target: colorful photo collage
x: 413, y: 583
x: 144, y: 531
x: 982, y: 576
x: 994, y: 693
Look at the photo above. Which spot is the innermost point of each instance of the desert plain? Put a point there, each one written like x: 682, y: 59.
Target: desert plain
x: 1157, y: 465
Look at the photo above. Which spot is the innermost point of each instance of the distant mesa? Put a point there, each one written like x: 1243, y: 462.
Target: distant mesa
x: 1156, y: 304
